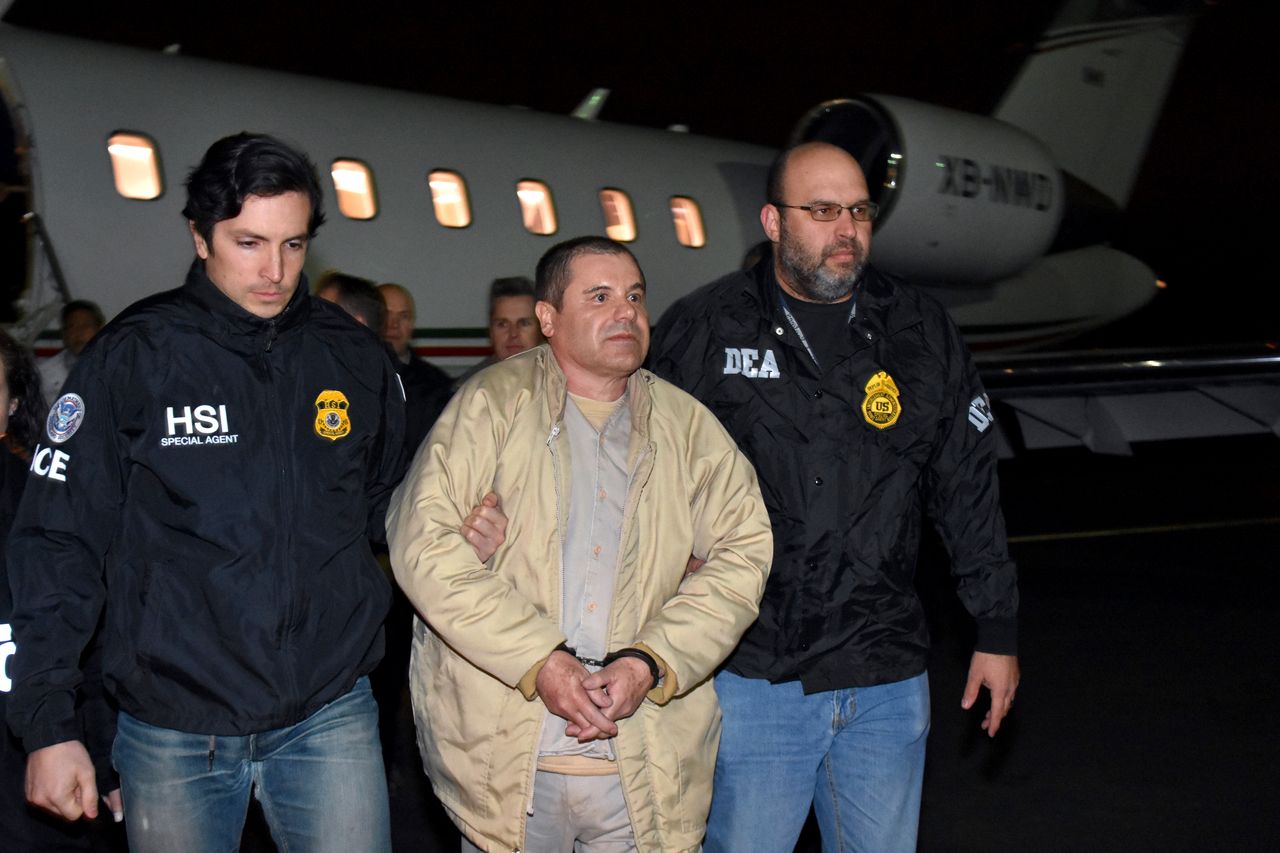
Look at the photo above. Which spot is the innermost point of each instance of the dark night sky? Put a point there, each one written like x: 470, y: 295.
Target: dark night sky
x: 1201, y: 214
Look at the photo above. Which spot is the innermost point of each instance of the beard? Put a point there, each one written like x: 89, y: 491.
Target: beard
x: 809, y: 274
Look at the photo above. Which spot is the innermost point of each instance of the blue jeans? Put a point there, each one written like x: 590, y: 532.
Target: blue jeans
x: 857, y: 755
x: 320, y: 783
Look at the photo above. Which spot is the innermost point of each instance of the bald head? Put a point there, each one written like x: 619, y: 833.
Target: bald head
x: 810, y: 162
x: 804, y: 159
x: 816, y: 261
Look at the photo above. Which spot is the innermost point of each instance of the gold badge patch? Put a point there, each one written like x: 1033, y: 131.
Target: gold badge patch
x: 880, y: 407
x: 331, y: 415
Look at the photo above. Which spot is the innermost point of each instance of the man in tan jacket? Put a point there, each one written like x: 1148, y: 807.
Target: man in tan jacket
x: 562, y: 688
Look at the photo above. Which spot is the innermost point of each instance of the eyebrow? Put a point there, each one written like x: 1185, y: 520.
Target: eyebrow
x: 833, y: 201
x: 598, y: 288
x: 242, y: 232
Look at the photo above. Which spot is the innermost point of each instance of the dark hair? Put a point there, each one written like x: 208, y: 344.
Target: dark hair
x: 23, y: 379
x: 83, y: 305
x: 402, y: 290
x: 552, y: 276
x: 501, y: 288
x: 359, y: 297
x: 248, y: 164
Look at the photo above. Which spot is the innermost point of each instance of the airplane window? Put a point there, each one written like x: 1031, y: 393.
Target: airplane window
x: 688, y: 221
x: 449, y: 195
x: 619, y: 221
x: 353, y: 183
x: 537, y: 207
x: 135, y: 165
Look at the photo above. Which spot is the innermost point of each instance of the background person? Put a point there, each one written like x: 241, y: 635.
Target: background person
x: 513, y: 326
x: 81, y: 320
x: 357, y: 296
x: 24, y: 828
x: 426, y: 387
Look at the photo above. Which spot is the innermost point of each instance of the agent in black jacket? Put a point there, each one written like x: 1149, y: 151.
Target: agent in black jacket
x: 212, y: 473
x: 860, y: 407
x: 24, y: 828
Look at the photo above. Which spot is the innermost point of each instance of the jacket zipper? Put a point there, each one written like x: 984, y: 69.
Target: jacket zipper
x: 533, y: 762
x: 286, y: 501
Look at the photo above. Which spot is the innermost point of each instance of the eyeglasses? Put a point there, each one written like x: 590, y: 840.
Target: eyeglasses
x: 863, y: 211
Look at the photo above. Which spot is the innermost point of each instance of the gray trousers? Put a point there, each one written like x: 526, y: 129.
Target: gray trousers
x: 583, y: 814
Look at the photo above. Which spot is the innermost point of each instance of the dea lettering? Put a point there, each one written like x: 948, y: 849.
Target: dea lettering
x: 332, y: 421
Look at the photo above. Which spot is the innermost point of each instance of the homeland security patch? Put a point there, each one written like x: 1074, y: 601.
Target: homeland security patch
x: 880, y: 407
x: 331, y: 415
x: 65, y: 417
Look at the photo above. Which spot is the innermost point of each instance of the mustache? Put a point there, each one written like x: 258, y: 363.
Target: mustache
x: 844, y: 246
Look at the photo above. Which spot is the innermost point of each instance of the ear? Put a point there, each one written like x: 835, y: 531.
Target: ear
x: 546, y: 318
x: 13, y: 405
x: 769, y: 222
x: 202, y: 248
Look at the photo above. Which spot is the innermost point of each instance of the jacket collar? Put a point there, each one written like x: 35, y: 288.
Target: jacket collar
x: 638, y: 395
x: 236, y: 327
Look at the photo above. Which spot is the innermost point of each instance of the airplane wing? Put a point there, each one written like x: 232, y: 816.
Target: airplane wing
x: 1107, y: 401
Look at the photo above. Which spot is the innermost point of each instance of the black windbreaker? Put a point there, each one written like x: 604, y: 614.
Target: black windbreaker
x: 848, y: 463
x: 224, y: 473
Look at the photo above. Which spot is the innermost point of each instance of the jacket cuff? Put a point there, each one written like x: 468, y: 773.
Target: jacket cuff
x: 997, y: 636
x: 108, y: 778
x: 668, y: 685
x: 42, y: 736
x: 528, y: 683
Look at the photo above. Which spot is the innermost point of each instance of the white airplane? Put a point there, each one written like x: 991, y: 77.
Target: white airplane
x: 992, y: 214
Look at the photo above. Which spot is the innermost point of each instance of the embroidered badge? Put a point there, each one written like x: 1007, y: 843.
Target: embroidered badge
x: 332, y: 421
x: 65, y: 417
x: 880, y: 407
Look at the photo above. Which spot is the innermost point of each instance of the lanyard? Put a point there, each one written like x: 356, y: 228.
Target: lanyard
x: 782, y: 303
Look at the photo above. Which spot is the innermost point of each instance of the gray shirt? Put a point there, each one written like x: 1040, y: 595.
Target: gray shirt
x: 597, y: 483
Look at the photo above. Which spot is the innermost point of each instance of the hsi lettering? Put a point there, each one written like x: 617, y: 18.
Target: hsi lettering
x: 204, y: 419
x: 195, y: 426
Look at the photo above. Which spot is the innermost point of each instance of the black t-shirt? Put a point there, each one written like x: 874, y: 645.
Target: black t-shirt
x: 825, y: 327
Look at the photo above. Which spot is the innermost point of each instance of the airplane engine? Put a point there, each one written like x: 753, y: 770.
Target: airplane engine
x: 963, y: 199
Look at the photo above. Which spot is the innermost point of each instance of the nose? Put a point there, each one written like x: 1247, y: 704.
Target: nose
x: 845, y: 223
x: 625, y: 310
x: 273, y: 271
